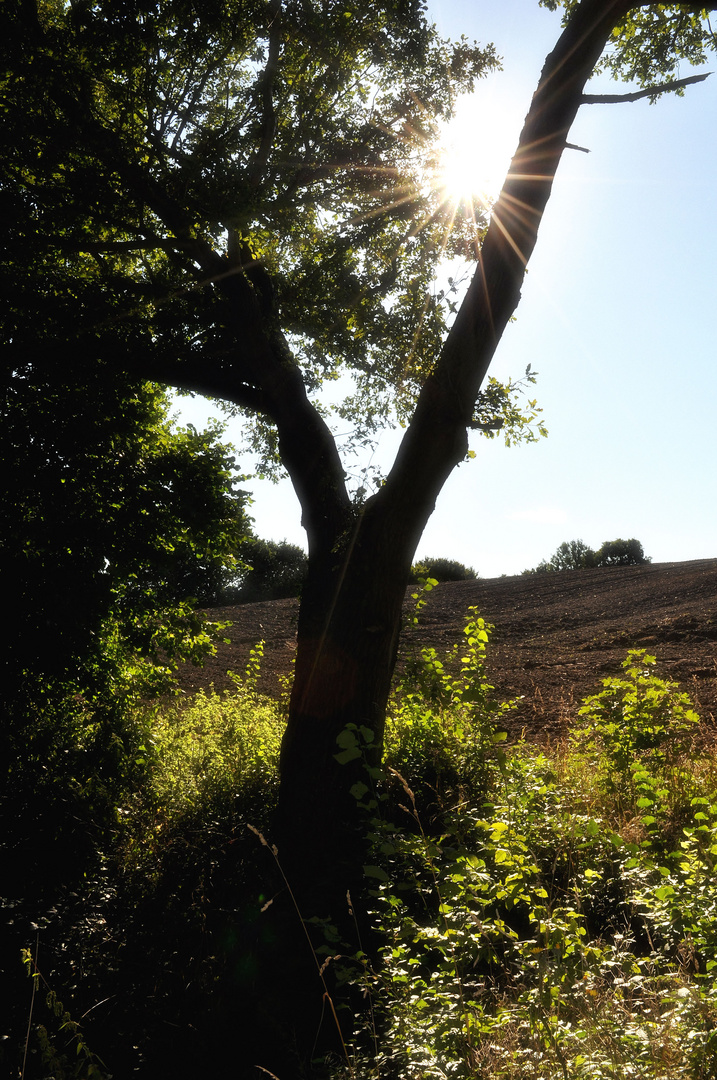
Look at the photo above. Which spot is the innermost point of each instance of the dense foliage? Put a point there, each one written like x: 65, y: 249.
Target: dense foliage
x: 274, y: 571
x: 239, y: 198
x: 621, y: 553
x: 107, y: 513
x: 113, y: 527
x: 301, y: 140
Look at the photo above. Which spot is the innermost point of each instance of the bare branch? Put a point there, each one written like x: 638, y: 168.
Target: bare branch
x: 649, y: 91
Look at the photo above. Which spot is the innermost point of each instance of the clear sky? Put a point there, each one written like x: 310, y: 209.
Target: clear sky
x: 617, y: 316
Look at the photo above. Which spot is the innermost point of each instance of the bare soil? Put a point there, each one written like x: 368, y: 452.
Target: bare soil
x: 556, y: 635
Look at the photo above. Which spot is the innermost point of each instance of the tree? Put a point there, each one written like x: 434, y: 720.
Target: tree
x: 274, y: 571
x: 576, y: 555
x: 242, y: 195
x: 621, y: 553
x: 108, y: 516
x: 112, y: 526
x: 570, y: 555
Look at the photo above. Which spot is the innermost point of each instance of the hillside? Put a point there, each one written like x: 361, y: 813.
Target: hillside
x: 556, y: 635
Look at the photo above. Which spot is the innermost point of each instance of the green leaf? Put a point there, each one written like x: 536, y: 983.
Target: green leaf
x: 376, y: 872
x: 347, y: 755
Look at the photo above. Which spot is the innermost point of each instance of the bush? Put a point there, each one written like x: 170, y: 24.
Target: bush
x: 212, y: 752
x: 276, y: 570
x: 533, y: 926
x: 539, y: 914
x: 442, y: 570
x: 621, y: 553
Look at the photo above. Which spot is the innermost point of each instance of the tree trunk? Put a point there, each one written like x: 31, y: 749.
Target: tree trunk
x: 348, y: 632
x: 350, y: 614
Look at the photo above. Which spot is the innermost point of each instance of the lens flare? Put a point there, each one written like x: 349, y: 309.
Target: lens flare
x: 474, y: 155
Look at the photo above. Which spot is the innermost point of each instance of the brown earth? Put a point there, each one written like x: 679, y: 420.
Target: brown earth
x: 556, y: 635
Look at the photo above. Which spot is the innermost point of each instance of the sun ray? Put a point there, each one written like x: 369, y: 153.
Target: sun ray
x: 474, y: 156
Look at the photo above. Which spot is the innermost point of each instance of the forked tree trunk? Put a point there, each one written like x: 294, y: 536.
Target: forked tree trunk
x: 359, y: 563
x: 350, y: 610
x: 349, y: 625
x: 351, y: 607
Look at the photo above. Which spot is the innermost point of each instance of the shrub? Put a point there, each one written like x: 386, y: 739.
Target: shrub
x: 638, y: 716
x: 443, y: 728
x: 576, y: 555
x: 570, y: 555
x: 442, y: 570
x: 531, y: 928
x: 216, y: 750
x: 276, y: 570
x: 621, y: 553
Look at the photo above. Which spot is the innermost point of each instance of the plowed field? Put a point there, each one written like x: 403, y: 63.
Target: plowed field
x: 556, y: 635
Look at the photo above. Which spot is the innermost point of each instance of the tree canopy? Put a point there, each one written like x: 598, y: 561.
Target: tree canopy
x: 274, y: 571
x: 108, y: 517
x: 244, y: 200
x: 171, y: 176
x: 283, y: 154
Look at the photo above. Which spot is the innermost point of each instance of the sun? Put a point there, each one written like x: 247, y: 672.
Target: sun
x: 474, y: 154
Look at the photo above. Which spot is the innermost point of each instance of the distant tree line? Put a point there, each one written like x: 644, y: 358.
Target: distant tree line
x: 576, y: 555
x: 273, y: 571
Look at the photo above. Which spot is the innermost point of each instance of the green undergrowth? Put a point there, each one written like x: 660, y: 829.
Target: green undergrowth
x: 544, y: 914
x: 541, y: 913
x: 157, y: 948
x: 215, y: 754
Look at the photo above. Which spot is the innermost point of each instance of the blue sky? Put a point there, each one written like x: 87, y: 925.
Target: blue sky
x: 617, y: 316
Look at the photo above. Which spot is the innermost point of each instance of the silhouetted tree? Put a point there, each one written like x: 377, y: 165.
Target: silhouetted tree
x: 236, y: 199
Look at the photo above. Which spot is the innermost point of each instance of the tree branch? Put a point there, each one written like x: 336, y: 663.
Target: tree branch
x: 202, y: 375
x: 261, y: 374
x: 436, y: 439
x: 268, y: 123
x: 649, y: 91
x: 118, y: 247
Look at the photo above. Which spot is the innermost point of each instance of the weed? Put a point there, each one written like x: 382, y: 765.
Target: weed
x: 559, y: 916
x: 61, y: 1041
